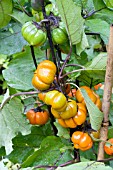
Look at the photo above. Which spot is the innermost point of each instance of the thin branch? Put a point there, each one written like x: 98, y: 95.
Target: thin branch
x: 62, y: 165
x: 18, y: 94
x: 45, y: 166
x: 76, y: 65
x: 107, y: 96
x: 92, y: 12
x: 74, y: 71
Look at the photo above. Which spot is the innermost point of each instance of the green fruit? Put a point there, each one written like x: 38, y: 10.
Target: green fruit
x: 32, y: 35
x: 59, y: 36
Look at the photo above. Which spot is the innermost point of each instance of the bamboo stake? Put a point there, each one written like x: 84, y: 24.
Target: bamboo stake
x: 106, y: 96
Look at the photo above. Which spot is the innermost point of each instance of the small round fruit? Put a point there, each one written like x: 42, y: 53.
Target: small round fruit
x: 58, y: 36
x: 32, y: 35
x: 81, y: 140
x: 37, y: 118
x: 108, y: 148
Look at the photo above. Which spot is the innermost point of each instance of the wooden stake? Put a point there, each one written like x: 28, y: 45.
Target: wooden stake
x: 106, y: 96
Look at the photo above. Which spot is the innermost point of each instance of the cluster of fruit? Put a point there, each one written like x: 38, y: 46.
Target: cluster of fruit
x: 34, y: 32
x: 69, y: 112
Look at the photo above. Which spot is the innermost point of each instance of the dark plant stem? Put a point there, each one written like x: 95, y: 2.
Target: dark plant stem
x: 66, y: 60
x: 92, y: 12
x: 47, y: 26
x: 77, y: 82
x: 52, y: 121
x: 91, y: 82
x: 33, y: 56
x: 92, y: 33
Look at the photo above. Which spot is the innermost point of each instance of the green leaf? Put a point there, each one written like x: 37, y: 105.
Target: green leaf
x: 90, y: 6
x: 5, y: 10
x: 12, y: 122
x: 95, y: 70
x: 94, y: 43
x: 99, y: 4
x: 97, y: 67
x: 81, y: 3
x: 105, y: 14
x: 110, y: 132
x: 21, y: 69
x: 90, y: 165
x: 72, y: 60
x: 96, y: 116
x: 2, y: 151
x: 21, y: 17
x: 82, y: 45
x: 62, y: 132
x: 48, y: 153
x: 25, y: 145
x: 88, y: 155
x: 99, y: 62
x: 99, y: 26
x: 2, y: 59
x: 109, y: 4
x: 87, y: 79
x: 11, y: 40
x: 71, y: 16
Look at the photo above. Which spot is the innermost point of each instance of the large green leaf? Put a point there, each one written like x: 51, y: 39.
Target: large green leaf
x: 24, y: 146
x: 49, y: 152
x: 99, y: 26
x: 21, y: 69
x: 81, y: 46
x: 94, y: 72
x: 109, y: 3
x: 97, y: 67
x: 12, y: 122
x: 71, y: 16
x: 87, y: 79
x: 105, y: 14
x: 11, y: 40
x: 5, y: 10
x: 96, y: 116
x: 90, y: 165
